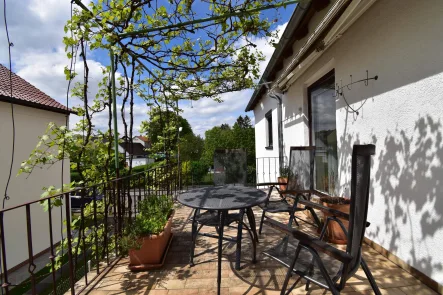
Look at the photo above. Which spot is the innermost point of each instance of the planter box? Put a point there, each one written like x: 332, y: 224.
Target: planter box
x: 282, y: 187
x: 334, y: 232
x: 153, y: 250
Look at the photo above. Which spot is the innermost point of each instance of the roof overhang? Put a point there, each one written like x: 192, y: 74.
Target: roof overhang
x: 35, y: 105
x: 298, y: 28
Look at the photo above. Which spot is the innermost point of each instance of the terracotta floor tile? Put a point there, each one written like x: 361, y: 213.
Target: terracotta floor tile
x: 170, y: 284
x: 98, y: 292
x: 264, y: 277
x: 112, y: 285
x: 200, y: 283
x: 184, y: 292
x: 418, y: 289
x: 391, y: 282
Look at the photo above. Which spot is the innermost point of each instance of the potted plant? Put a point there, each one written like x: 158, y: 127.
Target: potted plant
x: 148, y: 236
x: 283, y: 178
x: 334, y: 231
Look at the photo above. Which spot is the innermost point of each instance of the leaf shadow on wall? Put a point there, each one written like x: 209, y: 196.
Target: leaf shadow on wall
x: 410, y: 175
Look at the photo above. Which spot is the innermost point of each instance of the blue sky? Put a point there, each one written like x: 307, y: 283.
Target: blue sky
x: 36, y: 29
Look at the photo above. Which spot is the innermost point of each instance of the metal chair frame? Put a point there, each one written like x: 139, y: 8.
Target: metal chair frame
x: 350, y: 259
x: 296, y: 195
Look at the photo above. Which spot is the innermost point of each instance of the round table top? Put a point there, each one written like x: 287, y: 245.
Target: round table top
x: 228, y: 197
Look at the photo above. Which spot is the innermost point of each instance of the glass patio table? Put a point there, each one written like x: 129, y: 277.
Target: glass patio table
x: 222, y: 199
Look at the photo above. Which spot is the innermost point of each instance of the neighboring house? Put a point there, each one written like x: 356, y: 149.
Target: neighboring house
x: 137, y: 151
x: 33, y: 111
x: 329, y: 44
x: 142, y: 140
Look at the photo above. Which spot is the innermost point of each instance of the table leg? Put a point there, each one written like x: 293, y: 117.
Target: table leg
x: 222, y: 215
x: 239, y: 238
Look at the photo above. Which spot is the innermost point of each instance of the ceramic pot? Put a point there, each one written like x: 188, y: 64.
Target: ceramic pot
x: 282, y: 187
x: 334, y: 232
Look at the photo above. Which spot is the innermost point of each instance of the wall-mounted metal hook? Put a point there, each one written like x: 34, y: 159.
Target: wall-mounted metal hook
x: 349, y: 86
x: 336, y: 90
x: 367, y: 78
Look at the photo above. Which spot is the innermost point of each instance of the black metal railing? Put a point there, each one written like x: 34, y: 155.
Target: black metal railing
x: 267, y: 169
x: 90, y: 220
x: 76, y: 233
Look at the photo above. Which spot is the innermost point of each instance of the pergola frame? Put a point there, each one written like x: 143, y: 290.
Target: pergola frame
x: 148, y: 30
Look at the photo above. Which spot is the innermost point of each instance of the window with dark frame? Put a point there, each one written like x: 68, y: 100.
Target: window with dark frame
x: 269, y: 137
x: 323, y: 133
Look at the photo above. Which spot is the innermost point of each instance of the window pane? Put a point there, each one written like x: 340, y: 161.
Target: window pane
x: 324, y: 136
x: 270, y: 143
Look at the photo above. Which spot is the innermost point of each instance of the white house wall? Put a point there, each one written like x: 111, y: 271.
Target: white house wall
x: 267, y: 160
x: 29, y: 124
x: 401, y: 113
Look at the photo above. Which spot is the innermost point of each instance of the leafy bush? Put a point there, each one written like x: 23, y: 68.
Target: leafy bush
x: 284, y: 171
x: 154, y: 212
x: 142, y: 168
x: 251, y: 175
x: 75, y: 176
x: 198, y: 170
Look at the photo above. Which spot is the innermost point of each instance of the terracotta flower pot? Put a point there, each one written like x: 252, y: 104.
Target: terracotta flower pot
x: 153, y: 249
x: 282, y: 187
x: 334, y: 232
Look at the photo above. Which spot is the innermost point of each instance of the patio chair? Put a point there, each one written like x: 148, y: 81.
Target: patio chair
x: 229, y: 168
x: 299, y: 186
x: 318, y: 262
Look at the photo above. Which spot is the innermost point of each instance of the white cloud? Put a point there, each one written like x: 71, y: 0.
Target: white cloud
x: 207, y: 113
x: 36, y: 29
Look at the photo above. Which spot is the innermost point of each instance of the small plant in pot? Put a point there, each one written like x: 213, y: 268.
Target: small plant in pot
x: 283, y: 178
x: 148, y: 236
x: 334, y: 232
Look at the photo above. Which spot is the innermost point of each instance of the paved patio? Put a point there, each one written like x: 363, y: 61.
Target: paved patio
x: 264, y: 277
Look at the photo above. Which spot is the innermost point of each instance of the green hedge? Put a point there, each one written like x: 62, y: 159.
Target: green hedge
x: 75, y: 176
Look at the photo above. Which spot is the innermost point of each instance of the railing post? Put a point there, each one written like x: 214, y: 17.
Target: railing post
x: 97, y: 259
x: 51, y: 241
x: 83, y: 237
x: 106, y: 207
x: 31, y: 267
x: 6, y: 283
x: 69, y: 237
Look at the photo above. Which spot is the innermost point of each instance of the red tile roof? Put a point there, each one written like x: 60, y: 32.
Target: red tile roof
x: 143, y: 138
x: 26, y: 94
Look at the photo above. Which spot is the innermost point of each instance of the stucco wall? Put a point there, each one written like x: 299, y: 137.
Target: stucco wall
x: 401, y: 113
x: 29, y: 124
x: 267, y: 166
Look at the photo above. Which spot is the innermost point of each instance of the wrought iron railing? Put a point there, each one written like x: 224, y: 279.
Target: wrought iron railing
x: 267, y: 169
x: 92, y: 219
x: 80, y: 229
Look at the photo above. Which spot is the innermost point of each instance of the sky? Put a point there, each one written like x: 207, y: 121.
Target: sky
x: 38, y: 56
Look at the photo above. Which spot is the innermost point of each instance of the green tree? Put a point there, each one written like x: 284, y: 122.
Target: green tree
x: 219, y: 137
x: 244, y: 137
x: 162, y: 129
x: 191, y: 147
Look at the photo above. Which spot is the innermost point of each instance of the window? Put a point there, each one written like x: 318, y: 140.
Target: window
x: 269, y: 142
x: 323, y: 133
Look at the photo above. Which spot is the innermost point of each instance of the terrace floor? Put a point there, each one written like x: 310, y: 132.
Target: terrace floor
x: 264, y: 277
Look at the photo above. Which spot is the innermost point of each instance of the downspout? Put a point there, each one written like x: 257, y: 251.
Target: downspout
x: 277, y: 95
